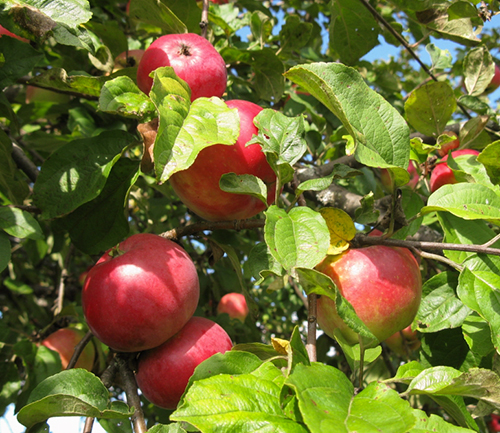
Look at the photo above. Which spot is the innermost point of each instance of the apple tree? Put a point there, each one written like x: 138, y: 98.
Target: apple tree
x: 347, y: 150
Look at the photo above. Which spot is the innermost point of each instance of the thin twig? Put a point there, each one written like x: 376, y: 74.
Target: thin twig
x: 312, y: 300
x: 442, y: 259
x: 491, y: 241
x: 24, y: 163
x: 204, y: 19
x: 62, y: 282
x: 130, y: 386
x: 79, y: 349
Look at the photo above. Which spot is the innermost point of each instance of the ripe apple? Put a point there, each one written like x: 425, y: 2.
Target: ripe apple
x: 128, y: 59
x: 442, y: 174
x: 495, y: 81
x: 163, y: 372
x: 198, y: 186
x: 194, y: 60
x: 406, y: 337
x: 219, y: 2
x: 140, y: 293
x: 494, y: 424
x: 385, y: 177
x: 383, y: 284
x: 64, y: 340
x: 4, y: 31
x: 445, y: 148
x: 233, y: 304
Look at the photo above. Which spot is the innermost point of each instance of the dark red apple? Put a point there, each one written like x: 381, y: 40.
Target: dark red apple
x: 442, y: 174
x: 233, y: 304
x: 451, y: 145
x: 163, y: 372
x: 386, y: 180
x: 4, y: 31
x: 193, y: 59
x: 406, y: 338
x: 141, y: 293
x: 198, y: 186
x: 64, y: 340
x: 383, y: 284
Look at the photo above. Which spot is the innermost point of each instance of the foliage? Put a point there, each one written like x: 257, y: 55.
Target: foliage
x: 72, y: 186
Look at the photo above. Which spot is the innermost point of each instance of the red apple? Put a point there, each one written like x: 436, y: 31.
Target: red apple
x: 383, y: 284
x: 442, y: 174
x: 4, y: 31
x: 64, y: 340
x: 495, y: 81
x: 219, y: 2
x: 451, y: 145
x: 385, y: 177
x: 198, y: 186
x: 398, y: 341
x: 193, y: 59
x: 163, y: 372
x: 494, y: 424
x: 128, y: 59
x: 233, y: 304
x: 141, y: 293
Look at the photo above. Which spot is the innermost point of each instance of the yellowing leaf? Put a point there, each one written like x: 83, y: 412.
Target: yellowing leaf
x: 341, y: 229
x: 281, y: 346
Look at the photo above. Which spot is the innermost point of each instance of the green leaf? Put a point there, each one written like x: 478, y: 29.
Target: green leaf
x: 353, y: 30
x: 20, y: 59
x: 122, y: 96
x: 294, y: 34
x: 490, y: 157
x: 167, y: 428
x: 407, y: 372
x: 429, y: 107
x: 326, y: 402
x: 4, y: 251
x: 381, y: 135
x: 297, y: 239
x: 340, y: 171
x: 434, y: 423
x: 77, y: 172
x: 441, y: 59
x: 261, y: 263
x: 237, y: 403
x: 477, y: 334
x: 158, y: 14
x: 184, y: 128
x: 19, y: 223
x: 74, y: 392
x: 441, y: 308
x: 466, y: 200
x: 101, y: 223
x: 244, y: 184
x: 479, y: 69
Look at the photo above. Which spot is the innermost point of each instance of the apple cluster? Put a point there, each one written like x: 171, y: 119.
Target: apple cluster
x: 140, y: 297
x: 200, y: 65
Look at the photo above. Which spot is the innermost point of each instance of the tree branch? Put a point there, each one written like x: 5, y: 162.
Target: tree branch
x: 79, y: 349
x: 24, y: 163
x: 204, y: 19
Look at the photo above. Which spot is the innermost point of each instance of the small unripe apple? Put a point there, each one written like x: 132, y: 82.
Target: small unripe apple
x: 198, y: 186
x: 385, y: 177
x: 451, y: 145
x: 163, y: 372
x: 128, y: 59
x: 140, y: 293
x: 233, y: 304
x: 383, y: 284
x: 442, y: 174
x: 193, y: 59
x: 406, y: 338
x: 64, y: 340
x: 4, y: 31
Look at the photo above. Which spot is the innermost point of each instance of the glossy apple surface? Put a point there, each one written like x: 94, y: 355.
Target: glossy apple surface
x: 406, y: 338
x: 198, y: 186
x: 442, y: 174
x: 141, y: 293
x: 233, y: 304
x: 386, y: 180
x: 383, y: 284
x: 451, y: 145
x: 163, y: 372
x: 193, y: 59
x: 64, y: 340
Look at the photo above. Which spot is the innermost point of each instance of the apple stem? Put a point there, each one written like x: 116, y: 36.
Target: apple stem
x: 79, y: 349
x: 312, y: 299
x: 133, y: 399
